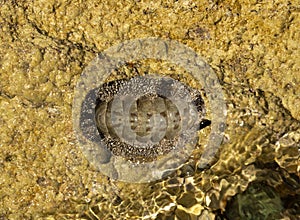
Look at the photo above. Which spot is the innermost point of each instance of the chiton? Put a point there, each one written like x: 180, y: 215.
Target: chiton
x: 144, y: 118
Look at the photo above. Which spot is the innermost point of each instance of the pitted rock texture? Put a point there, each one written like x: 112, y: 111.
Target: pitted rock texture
x: 253, y: 46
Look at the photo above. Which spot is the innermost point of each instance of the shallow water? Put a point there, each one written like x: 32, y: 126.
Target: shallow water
x: 253, y: 47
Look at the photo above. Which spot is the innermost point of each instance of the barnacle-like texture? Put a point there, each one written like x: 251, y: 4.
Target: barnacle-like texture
x: 253, y: 46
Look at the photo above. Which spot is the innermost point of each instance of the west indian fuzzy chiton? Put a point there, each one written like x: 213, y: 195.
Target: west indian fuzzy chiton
x: 146, y: 117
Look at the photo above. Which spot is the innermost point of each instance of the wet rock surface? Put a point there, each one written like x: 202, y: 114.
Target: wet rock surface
x: 252, y: 46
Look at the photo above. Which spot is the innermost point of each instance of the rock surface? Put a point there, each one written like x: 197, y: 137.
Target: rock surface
x: 253, y: 46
